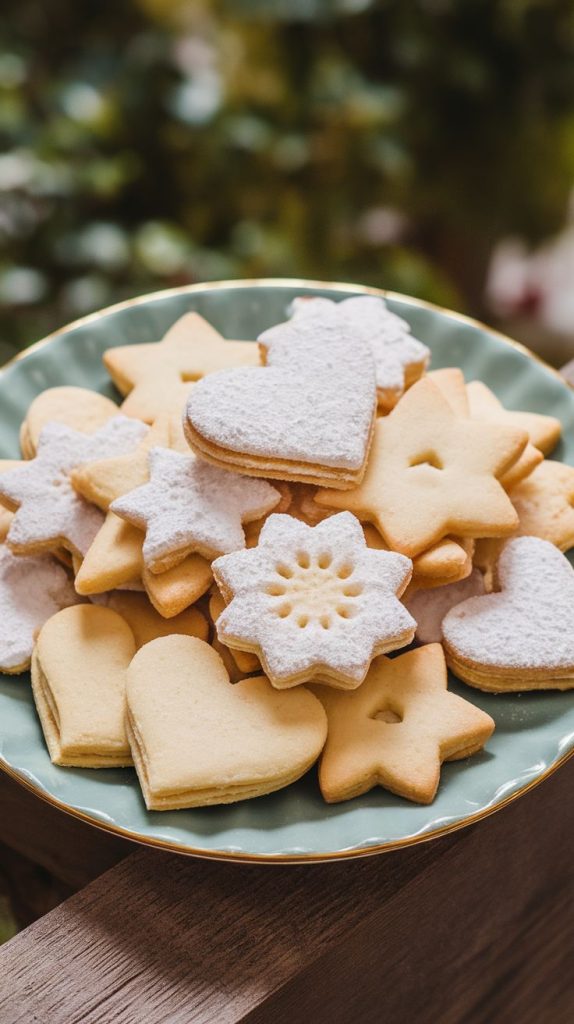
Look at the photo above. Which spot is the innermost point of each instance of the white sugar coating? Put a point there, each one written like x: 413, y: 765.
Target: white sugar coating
x: 190, y: 504
x: 530, y: 623
x: 313, y: 598
x: 49, y: 509
x: 31, y: 591
x: 314, y: 401
x: 429, y: 606
x: 368, y: 317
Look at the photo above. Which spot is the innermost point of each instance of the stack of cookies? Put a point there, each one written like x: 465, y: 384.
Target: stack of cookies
x: 209, y: 579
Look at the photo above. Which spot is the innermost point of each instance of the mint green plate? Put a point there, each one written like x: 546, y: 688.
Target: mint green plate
x: 534, y: 732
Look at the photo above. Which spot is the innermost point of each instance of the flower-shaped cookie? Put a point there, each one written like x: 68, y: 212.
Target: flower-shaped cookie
x: 49, y: 512
x: 314, y: 602
x: 521, y: 638
x: 399, y: 358
x: 190, y: 506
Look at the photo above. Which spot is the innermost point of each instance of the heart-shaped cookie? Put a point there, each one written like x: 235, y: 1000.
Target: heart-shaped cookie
x: 197, y: 739
x: 521, y: 638
x: 79, y: 681
x: 306, y: 415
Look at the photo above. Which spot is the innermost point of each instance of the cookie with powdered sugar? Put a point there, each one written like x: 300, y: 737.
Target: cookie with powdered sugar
x: 314, y: 602
x: 190, y: 507
x: 522, y: 636
x: 306, y: 415
x: 31, y: 591
x: 49, y: 514
x: 400, y: 359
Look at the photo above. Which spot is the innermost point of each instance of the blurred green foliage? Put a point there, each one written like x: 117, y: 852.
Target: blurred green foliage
x: 149, y: 143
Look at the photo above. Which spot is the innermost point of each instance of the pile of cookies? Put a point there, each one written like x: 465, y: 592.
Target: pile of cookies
x: 208, y: 579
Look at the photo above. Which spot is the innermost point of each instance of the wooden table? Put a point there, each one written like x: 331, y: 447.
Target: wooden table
x: 476, y: 927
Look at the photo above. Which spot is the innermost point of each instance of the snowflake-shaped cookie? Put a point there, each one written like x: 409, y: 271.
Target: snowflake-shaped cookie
x: 314, y: 602
x: 49, y: 512
x: 399, y: 358
x: 190, y: 506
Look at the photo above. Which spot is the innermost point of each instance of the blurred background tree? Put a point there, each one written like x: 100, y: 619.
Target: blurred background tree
x: 399, y: 143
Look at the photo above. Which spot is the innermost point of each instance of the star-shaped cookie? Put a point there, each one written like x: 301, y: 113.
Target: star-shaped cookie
x: 79, y: 408
x: 431, y: 473
x: 314, y: 602
x: 543, y: 431
x: 156, y: 376
x: 115, y: 557
x: 397, y: 729
x: 190, y: 506
x: 399, y: 358
x: 48, y: 511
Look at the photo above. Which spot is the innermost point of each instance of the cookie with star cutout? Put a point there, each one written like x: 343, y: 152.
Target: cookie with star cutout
x: 397, y: 729
x: 432, y: 473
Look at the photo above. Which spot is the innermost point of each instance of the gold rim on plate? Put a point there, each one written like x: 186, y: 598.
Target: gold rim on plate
x: 288, y: 858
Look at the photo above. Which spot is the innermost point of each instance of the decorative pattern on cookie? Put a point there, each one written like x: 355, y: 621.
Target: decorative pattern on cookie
x: 306, y: 415
x: 156, y: 376
x: 399, y: 358
x: 31, y: 591
x: 397, y: 729
x: 240, y: 741
x: 49, y: 513
x: 543, y: 431
x: 78, y: 408
x: 429, y: 606
x: 432, y: 473
x: 314, y: 602
x: 190, y: 507
x: 79, y: 670
x: 521, y: 638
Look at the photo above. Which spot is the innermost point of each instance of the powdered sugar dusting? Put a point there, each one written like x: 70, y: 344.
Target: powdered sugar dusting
x: 429, y: 606
x: 49, y: 510
x: 31, y: 591
x: 314, y: 401
x: 190, y: 505
x: 368, y: 317
x: 530, y: 623
x: 315, y: 599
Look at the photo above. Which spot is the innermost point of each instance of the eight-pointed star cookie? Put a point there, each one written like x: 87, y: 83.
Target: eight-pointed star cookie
x: 190, y: 506
x: 397, y: 729
x: 314, y: 602
x: 49, y: 513
x: 399, y: 358
x: 432, y: 473
x: 521, y: 638
x: 157, y: 376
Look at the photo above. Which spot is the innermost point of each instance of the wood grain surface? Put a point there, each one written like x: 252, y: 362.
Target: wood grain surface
x: 70, y: 850
x: 476, y: 927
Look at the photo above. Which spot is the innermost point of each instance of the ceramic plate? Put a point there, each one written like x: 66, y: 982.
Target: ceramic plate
x: 534, y: 732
